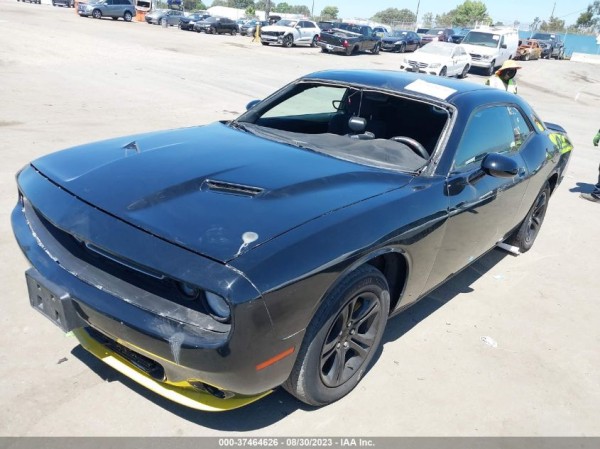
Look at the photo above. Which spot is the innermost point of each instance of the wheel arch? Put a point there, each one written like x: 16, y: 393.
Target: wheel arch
x: 553, y: 182
x: 393, y: 263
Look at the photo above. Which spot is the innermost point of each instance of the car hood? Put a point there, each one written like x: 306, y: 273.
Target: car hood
x: 393, y: 39
x: 427, y: 58
x: 277, y: 28
x: 215, y: 190
x: 479, y: 49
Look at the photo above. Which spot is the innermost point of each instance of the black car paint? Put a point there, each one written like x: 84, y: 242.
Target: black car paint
x: 410, y: 41
x: 326, y: 217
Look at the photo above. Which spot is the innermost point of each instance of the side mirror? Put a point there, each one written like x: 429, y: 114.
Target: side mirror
x: 252, y: 104
x: 503, y: 46
x: 499, y: 166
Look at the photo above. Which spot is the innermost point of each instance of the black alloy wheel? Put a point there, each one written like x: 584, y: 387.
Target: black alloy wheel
x: 529, y: 229
x: 288, y: 41
x: 342, y: 338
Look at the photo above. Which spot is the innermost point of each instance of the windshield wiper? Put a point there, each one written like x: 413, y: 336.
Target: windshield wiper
x: 239, y: 125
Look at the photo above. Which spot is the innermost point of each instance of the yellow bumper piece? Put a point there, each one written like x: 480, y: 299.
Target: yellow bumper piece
x: 184, y: 395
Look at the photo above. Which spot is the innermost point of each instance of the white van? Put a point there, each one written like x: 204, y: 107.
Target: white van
x: 489, y: 47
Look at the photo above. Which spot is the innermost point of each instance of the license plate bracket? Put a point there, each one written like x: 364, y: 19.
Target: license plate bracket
x: 52, y: 301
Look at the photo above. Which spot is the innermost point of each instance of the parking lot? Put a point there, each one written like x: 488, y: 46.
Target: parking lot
x: 66, y: 80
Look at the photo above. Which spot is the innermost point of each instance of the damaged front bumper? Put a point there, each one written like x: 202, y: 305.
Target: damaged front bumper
x: 176, y: 351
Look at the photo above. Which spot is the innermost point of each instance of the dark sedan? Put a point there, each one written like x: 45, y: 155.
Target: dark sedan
x: 216, y: 25
x: 187, y: 22
x: 213, y: 264
x: 437, y: 34
x: 400, y: 41
x: 249, y: 28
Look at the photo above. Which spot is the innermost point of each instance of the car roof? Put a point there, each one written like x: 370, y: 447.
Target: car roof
x: 399, y: 81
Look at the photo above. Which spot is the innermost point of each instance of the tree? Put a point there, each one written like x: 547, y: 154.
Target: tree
x: 330, y: 13
x: 391, y: 15
x: 427, y: 20
x: 444, y: 20
x: 219, y: 3
x: 193, y: 5
x: 250, y: 11
x: 470, y: 13
x: 586, y: 20
x: 535, y: 25
x: 241, y: 4
x: 282, y: 7
x: 301, y: 9
x: 554, y: 24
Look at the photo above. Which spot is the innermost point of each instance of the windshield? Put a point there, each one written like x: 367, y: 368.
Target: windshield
x: 348, y: 122
x: 396, y: 34
x: 433, y: 49
x: 546, y: 37
x: 435, y: 31
x: 287, y: 23
x: 484, y: 39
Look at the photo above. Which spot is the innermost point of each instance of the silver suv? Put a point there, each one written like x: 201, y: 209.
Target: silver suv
x: 107, y: 8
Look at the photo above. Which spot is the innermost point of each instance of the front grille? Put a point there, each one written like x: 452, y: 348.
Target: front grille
x: 475, y: 57
x: 420, y: 65
x: 270, y: 33
x: 147, y: 365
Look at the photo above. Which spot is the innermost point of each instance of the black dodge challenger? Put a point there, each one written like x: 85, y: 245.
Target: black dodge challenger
x: 215, y: 263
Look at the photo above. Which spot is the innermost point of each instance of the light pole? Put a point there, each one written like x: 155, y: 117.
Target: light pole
x: 312, y: 10
x: 417, y: 14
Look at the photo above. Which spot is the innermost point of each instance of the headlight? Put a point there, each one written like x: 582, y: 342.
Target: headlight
x: 397, y: 43
x: 217, y: 307
x: 435, y: 65
x: 487, y: 57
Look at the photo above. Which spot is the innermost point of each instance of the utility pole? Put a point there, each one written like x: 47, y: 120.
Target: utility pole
x: 552, y: 15
x: 312, y: 10
x: 267, y: 9
x: 417, y: 14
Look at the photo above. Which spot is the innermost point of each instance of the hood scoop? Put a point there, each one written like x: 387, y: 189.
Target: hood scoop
x: 231, y: 188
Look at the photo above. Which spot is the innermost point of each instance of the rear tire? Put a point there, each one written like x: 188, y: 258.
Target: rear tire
x: 375, y: 50
x: 314, y: 41
x: 528, y: 230
x: 233, y: 32
x: 341, y: 339
x: 465, y: 71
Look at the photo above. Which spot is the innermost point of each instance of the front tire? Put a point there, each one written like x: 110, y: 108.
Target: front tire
x: 233, y: 32
x: 341, y: 339
x: 443, y: 72
x: 402, y: 48
x: 464, y: 72
x: 526, y: 233
x: 127, y: 16
x: 96, y: 14
x: 288, y: 41
x: 490, y: 70
x: 375, y: 50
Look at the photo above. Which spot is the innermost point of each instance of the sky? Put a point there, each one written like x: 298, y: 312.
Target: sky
x: 506, y: 11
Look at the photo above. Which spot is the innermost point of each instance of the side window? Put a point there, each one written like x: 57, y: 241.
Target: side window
x: 489, y: 130
x: 309, y: 25
x: 521, y: 127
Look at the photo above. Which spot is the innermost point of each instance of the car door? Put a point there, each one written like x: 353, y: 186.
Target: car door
x: 482, y: 207
x: 412, y: 41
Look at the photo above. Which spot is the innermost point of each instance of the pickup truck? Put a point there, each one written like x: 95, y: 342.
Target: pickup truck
x: 348, y: 39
